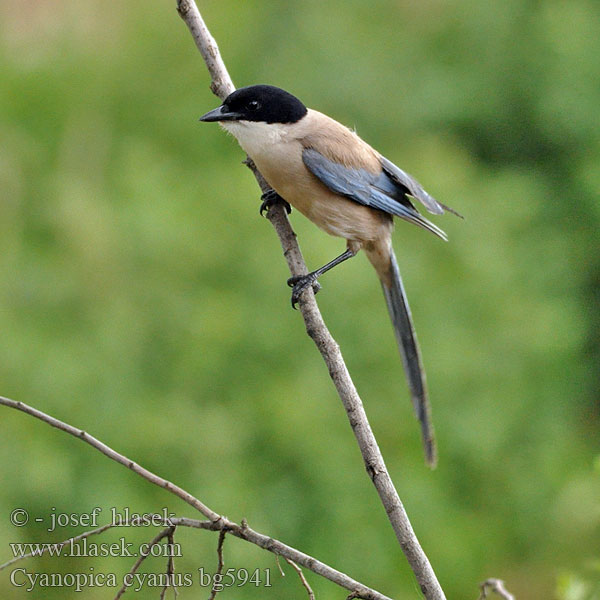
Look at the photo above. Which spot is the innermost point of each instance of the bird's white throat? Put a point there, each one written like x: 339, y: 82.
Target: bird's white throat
x: 257, y: 138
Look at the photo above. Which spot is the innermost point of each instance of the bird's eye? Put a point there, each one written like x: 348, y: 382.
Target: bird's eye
x: 254, y: 105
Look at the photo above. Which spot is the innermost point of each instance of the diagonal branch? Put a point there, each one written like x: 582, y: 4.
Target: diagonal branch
x: 215, y: 522
x: 57, y: 546
x: 317, y: 330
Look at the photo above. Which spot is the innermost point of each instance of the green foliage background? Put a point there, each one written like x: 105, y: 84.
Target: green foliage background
x: 144, y: 300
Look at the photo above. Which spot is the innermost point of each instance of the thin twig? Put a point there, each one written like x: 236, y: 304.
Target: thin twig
x: 54, y: 547
x: 170, y: 565
x: 135, y: 522
x: 496, y: 586
x: 220, y: 565
x: 328, y: 347
x: 128, y: 579
x: 311, y: 595
x: 215, y: 522
x: 279, y: 565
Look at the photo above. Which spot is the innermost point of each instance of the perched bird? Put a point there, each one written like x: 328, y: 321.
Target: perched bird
x: 344, y: 186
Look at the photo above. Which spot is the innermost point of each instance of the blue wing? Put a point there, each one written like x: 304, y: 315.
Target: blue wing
x: 388, y: 191
x: 414, y: 188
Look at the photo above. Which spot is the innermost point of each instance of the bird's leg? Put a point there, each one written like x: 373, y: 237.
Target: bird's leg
x: 271, y: 198
x: 300, y: 282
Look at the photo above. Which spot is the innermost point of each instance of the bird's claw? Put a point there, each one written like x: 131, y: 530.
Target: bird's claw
x: 271, y: 198
x: 299, y: 283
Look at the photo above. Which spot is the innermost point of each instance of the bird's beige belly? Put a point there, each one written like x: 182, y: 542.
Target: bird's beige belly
x: 334, y: 214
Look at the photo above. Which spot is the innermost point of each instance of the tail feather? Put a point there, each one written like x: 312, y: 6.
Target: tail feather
x: 411, y: 357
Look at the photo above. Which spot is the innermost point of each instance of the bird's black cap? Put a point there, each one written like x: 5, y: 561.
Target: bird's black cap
x: 261, y: 103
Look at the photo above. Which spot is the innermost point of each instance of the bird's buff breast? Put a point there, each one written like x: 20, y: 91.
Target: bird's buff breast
x: 279, y: 159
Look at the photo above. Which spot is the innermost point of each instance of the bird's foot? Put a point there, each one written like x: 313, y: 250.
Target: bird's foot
x: 271, y: 198
x: 301, y: 282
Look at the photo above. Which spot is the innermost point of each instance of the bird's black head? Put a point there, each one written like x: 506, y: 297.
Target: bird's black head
x: 263, y: 103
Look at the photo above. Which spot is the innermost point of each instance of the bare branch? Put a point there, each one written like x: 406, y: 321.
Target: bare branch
x: 311, y: 595
x: 329, y: 349
x: 495, y: 586
x: 221, y: 84
x: 220, y: 564
x: 106, y: 450
x: 170, y: 566
x: 128, y: 579
x: 53, y: 547
x: 215, y: 522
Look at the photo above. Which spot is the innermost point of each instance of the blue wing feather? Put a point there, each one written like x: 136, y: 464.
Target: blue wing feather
x: 381, y: 191
x: 411, y: 185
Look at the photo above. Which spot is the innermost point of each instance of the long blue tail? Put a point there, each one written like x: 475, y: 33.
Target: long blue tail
x: 411, y: 357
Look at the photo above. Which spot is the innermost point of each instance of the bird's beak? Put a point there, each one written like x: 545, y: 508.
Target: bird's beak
x: 222, y: 113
